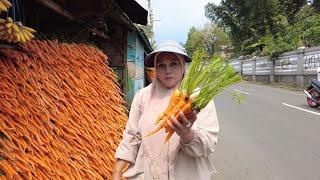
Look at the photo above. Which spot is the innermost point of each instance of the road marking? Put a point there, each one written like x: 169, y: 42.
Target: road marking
x: 312, y: 112
x: 242, y: 92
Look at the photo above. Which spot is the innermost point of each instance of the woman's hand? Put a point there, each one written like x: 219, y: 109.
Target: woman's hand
x: 116, y: 175
x: 118, y: 169
x: 183, y: 127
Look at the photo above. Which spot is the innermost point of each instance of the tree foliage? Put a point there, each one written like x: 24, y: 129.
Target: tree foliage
x: 266, y: 26
x: 290, y: 8
x: 246, y: 20
x: 211, y: 38
x: 316, y: 5
x: 304, y: 32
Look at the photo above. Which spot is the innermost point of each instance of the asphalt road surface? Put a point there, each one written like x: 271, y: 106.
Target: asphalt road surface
x: 274, y: 134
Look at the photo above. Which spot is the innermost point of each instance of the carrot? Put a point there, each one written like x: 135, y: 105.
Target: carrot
x: 177, y: 102
x: 160, y: 117
x: 186, y: 109
x: 176, y: 109
x: 162, y: 123
x: 56, y: 100
x: 168, y: 136
x: 176, y: 96
x: 7, y: 168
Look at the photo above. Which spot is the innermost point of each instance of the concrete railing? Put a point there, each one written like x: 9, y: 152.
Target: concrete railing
x: 292, y: 68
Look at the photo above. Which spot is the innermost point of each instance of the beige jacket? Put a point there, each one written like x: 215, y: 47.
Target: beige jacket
x: 180, y: 161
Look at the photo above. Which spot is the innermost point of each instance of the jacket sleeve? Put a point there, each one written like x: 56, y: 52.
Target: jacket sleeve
x: 129, y: 145
x: 206, y: 129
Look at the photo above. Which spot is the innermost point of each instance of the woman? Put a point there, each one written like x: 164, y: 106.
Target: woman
x: 189, y: 152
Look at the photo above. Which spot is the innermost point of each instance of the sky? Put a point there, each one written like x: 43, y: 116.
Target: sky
x: 176, y: 17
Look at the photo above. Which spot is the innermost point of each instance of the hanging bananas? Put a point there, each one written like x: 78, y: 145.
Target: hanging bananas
x: 5, y: 5
x: 14, y: 32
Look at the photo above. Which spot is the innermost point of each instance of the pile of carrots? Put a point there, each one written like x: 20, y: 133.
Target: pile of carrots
x: 61, y: 112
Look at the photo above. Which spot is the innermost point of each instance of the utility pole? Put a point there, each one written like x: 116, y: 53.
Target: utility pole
x: 150, y: 23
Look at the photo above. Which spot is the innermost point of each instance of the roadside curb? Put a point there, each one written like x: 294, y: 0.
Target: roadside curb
x: 277, y: 85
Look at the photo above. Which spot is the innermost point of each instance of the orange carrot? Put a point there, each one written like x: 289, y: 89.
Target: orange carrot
x: 179, y: 99
x: 49, y: 119
x: 176, y: 96
x: 160, y: 126
x: 186, y: 109
x: 178, y: 102
x: 176, y: 109
x: 168, y: 136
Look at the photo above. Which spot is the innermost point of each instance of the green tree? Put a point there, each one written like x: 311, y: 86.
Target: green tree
x: 194, y: 41
x: 304, y: 32
x: 252, y: 22
x: 211, y: 38
x: 316, y: 5
x: 246, y: 20
x: 289, y: 8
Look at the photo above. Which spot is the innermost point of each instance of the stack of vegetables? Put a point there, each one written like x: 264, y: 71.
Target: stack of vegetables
x: 204, y: 80
x: 61, y: 112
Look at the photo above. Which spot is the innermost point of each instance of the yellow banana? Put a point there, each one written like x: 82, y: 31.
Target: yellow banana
x: 6, y: 3
x: 11, y: 38
x: 29, y: 34
x: 9, y: 19
x: 9, y: 25
x: 19, y: 23
x: 16, y: 35
x: 19, y: 37
x: 15, y: 28
x: 22, y: 38
x: 9, y: 31
x: 3, y: 7
x: 25, y: 36
x: 29, y: 29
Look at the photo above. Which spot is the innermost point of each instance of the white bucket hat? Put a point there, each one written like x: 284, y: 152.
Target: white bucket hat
x: 166, y: 46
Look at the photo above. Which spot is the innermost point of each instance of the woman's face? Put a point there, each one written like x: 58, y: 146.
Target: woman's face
x: 168, y: 69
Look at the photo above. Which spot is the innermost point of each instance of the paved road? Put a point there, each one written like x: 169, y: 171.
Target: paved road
x: 272, y: 135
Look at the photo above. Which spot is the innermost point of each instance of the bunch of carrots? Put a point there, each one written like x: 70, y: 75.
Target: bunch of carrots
x: 204, y: 80
x: 61, y: 112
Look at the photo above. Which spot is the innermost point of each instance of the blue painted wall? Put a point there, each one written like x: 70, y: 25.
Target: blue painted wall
x: 135, y: 66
